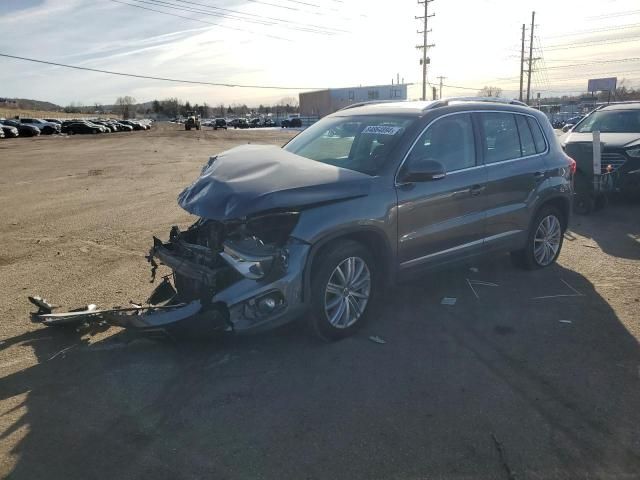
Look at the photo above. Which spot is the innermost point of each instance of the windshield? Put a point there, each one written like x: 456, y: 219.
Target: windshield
x: 611, y: 121
x: 360, y: 143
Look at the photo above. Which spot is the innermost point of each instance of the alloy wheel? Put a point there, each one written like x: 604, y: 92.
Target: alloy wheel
x: 347, y: 292
x: 546, y: 242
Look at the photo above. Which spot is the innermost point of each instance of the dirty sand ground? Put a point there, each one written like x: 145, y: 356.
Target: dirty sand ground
x: 500, y: 385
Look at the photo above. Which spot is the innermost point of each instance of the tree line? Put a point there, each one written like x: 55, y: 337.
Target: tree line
x: 172, y: 107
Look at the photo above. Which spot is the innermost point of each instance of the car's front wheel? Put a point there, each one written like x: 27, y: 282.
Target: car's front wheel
x: 544, y: 240
x: 343, y: 285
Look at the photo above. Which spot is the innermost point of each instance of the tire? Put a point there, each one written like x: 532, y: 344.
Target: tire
x: 583, y: 204
x: 330, y: 320
x: 534, y: 255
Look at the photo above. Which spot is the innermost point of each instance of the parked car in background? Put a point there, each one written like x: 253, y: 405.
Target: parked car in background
x: 53, y: 120
x: 25, y: 130
x: 9, y: 131
x: 255, y: 123
x: 292, y: 121
x: 268, y: 122
x: 239, y: 123
x: 79, y: 126
x: 46, y: 128
x: 619, y: 127
x: 569, y: 123
x: 219, y: 123
x: 123, y: 127
x: 109, y: 126
x: 1, y: 133
x: 134, y: 124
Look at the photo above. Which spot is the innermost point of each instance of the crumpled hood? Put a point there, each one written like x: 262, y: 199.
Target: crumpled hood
x: 254, y: 178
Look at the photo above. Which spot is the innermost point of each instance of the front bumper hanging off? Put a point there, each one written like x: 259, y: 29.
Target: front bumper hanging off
x: 253, y: 300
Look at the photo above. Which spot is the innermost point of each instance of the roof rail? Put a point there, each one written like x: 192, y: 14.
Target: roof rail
x: 446, y: 101
x: 372, y: 102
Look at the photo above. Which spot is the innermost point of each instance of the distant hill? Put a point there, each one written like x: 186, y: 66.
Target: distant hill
x: 28, y: 104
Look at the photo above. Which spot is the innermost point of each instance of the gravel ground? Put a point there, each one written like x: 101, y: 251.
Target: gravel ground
x: 501, y: 386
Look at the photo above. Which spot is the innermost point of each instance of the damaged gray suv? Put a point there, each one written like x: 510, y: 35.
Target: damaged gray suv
x: 363, y: 198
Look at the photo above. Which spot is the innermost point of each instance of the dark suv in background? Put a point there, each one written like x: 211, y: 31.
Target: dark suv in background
x: 368, y: 195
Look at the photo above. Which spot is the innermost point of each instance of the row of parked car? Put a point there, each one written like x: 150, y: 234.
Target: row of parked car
x: 257, y: 122
x: 565, y: 125
x: 31, y: 127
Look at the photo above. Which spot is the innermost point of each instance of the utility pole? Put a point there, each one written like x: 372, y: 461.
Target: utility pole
x: 533, y: 18
x: 425, y: 45
x: 441, y: 78
x: 522, y: 62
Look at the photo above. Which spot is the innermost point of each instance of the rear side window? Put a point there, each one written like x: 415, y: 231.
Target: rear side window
x: 502, y: 141
x: 538, y: 137
x: 526, y: 138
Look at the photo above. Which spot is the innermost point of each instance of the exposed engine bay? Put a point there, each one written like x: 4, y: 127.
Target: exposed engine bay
x: 210, y: 255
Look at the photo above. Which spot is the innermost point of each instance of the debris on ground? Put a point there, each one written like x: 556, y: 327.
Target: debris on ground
x: 61, y: 352
x: 503, y: 458
x: 377, y: 340
x: 471, y: 283
x: 565, y: 321
x: 448, y: 301
x: 474, y: 269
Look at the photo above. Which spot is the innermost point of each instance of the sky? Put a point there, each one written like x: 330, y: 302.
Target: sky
x: 307, y: 45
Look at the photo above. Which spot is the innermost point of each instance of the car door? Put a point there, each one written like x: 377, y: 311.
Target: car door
x: 441, y: 220
x: 513, y: 151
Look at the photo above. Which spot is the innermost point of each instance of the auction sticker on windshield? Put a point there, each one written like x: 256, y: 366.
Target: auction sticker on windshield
x: 381, y: 130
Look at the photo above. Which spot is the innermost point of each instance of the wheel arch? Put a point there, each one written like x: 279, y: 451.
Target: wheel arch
x: 370, y: 237
x: 562, y: 203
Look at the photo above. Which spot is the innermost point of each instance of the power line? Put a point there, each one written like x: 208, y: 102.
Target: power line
x: 260, y: 17
x: 587, y: 32
x: 268, y: 21
x: 202, y: 21
x: 164, y: 79
x: 617, y: 14
x: 606, y: 41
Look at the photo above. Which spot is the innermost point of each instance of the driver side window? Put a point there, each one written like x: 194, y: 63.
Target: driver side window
x: 449, y: 141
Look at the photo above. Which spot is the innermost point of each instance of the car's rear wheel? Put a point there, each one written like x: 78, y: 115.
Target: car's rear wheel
x: 544, y: 240
x: 343, y: 286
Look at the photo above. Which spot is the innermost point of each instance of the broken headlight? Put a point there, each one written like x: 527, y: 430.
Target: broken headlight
x: 256, y: 247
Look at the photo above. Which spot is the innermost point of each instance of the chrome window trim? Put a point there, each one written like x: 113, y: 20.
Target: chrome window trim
x: 544, y: 136
x: 422, y: 259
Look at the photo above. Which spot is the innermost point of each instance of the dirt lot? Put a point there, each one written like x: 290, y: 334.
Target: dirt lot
x: 501, y: 385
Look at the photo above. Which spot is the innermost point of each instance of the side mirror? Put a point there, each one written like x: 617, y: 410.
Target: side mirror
x: 423, y: 171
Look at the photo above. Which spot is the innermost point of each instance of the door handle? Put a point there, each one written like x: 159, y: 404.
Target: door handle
x: 477, y: 190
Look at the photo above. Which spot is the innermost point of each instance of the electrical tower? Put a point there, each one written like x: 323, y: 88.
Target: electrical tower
x: 533, y: 18
x: 528, y: 61
x: 425, y: 44
x: 441, y: 78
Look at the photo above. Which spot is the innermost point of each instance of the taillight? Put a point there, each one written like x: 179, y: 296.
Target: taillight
x: 572, y: 165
